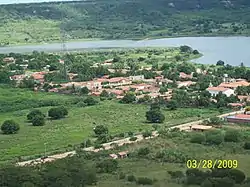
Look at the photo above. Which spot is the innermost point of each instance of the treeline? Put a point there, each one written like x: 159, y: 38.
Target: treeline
x: 137, y: 19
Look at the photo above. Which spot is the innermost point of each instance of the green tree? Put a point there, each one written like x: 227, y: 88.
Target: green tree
x: 84, y: 91
x: 90, y: 101
x: 100, y: 129
x: 155, y: 116
x: 198, y: 138
x: 104, y: 93
x: 34, y: 113
x: 10, y: 127
x: 107, y: 166
x: 38, y: 120
x: 128, y: 98
x: 232, y: 136
x: 58, y: 112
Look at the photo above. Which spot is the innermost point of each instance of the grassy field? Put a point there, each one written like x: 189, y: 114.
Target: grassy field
x: 177, y: 142
x: 62, y: 134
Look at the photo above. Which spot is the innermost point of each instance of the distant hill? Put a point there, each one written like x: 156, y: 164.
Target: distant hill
x: 118, y: 19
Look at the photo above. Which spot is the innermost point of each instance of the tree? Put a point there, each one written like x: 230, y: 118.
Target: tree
x: 107, y: 166
x: 128, y: 98
x: 4, y: 76
x: 104, y: 94
x: 198, y: 138
x: 155, y: 116
x: 220, y: 63
x: 185, y: 49
x: 10, y: 127
x: 33, y: 114
x: 90, y: 101
x: 100, y: 129
x: 172, y: 104
x: 232, y: 136
x: 144, y: 181
x: 247, y: 145
x: 84, y: 91
x: 57, y: 113
x: 38, y: 120
x: 196, y: 52
x: 143, y: 151
x: 214, y: 138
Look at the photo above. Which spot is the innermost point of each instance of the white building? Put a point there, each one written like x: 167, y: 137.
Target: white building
x: 137, y: 78
x: 215, y: 90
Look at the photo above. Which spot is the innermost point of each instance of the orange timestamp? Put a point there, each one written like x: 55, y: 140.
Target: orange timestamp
x: 212, y: 164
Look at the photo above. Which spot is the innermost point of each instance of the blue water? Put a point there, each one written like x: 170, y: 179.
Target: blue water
x: 232, y: 50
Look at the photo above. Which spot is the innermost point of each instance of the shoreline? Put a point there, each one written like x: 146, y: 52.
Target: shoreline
x: 123, y: 39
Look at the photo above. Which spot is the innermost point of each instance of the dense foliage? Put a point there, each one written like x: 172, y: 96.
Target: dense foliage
x: 125, y: 19
x: 10, y: 127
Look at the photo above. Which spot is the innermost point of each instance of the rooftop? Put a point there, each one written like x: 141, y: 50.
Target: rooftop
x: 218, y: 89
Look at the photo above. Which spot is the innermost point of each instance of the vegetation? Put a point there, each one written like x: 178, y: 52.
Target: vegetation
x: 78, y: 125
x: 152, y: 162
x: 10, y: 127
x: 57, y: 113
x: 24, y: 23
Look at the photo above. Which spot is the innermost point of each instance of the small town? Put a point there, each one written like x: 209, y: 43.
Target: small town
x: 121, y: 93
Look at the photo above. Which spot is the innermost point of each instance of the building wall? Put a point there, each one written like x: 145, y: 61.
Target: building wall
x: 235, y: 120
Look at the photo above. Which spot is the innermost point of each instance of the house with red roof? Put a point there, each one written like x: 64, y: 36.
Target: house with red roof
x: 185, y: 76
x: 39, y: 76
x: 234, y: 85
x: 215, y: 90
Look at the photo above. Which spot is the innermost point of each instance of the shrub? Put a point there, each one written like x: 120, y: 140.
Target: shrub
x: 155, y: 116
x: 247, y: 145
x: 133, y: 138
x: 122, y: 175
x: 38, y: 120
x: 232, y: 136
x: 146, y: 134
x: 214, y: 138
x: 10, y: 127
x: 100, y: 129
x: 107, y: 166
x: 98, y: 146
x: 176, y: 174
x: 143, y: 151
x: 131, y: 178
x: 81, y: 104
x: 130, y: 133
x: 90, y: 101
x: 34, y: 113
x: 144, y: 181
x: 198, y: 138
x: 57, y: 113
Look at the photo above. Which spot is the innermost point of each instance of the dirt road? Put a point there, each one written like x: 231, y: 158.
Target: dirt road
x: 120, y: 142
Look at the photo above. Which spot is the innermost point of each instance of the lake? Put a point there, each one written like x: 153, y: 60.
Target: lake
x: 232, y: 50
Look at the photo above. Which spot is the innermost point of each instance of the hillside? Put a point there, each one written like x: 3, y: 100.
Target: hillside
x: 119, y: 19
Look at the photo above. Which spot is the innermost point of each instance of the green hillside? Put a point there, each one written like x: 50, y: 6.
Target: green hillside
x: 119, y: 19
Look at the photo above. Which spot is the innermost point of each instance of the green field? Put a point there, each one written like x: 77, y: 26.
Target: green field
x: 78, y: 125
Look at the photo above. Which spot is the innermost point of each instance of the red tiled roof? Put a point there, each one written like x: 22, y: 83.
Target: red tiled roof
x: 218, y: 89
x: 116, y: 79
x: 184, y: 75
x: 236, y: 104
x: 242, y: 116
x: 234, y: 84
